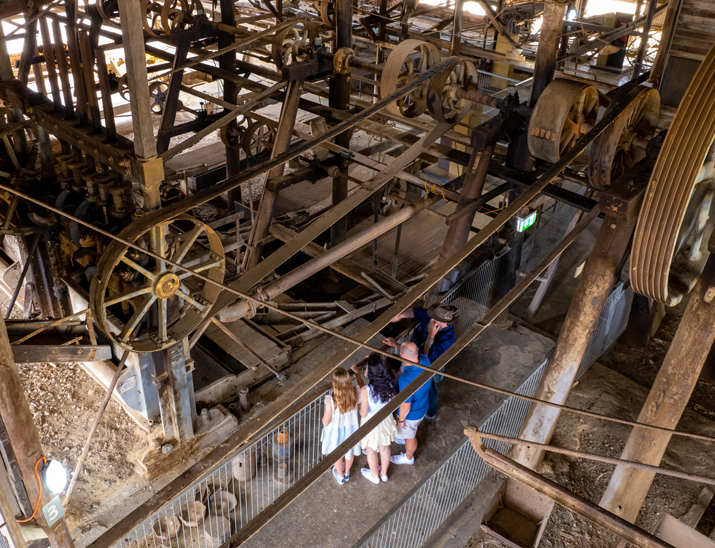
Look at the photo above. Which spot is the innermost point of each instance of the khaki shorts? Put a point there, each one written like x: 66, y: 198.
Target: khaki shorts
x: 409, y: 431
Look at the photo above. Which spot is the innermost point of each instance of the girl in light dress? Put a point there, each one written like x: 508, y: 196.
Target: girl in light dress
x: 374, y: 397
x: 340, y: 421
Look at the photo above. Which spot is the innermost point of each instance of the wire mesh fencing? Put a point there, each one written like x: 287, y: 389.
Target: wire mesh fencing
x: 425, y: 508
x: 211, y: 510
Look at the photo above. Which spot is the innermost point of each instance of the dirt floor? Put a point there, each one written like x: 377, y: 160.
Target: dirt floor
x: 618, y: 386
x: 64, y: 400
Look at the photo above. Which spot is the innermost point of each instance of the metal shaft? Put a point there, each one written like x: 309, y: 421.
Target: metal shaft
x: 95, y: 424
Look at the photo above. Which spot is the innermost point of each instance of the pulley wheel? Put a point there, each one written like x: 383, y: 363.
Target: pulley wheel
x: 564, y: 113
x: 258, y: 140
x: 289, y: 45
x: 159, y: 304
x: 403, y: 65
x: 623, y: 143
x: 677, y: 200
x: 442, y: 101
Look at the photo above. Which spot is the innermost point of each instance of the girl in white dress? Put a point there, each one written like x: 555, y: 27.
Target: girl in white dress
x: 374, y: 397
x: 340, y: 421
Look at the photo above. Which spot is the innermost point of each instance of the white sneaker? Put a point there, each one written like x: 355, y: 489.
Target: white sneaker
x: 401, y: 459
x: 368, y: 474
x: 364, y: 451
x: 399, y: 441
x: 384, y: 479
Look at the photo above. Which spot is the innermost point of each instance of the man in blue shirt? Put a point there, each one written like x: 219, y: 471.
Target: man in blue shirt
x: 433, y: 335
x: 413, y: 410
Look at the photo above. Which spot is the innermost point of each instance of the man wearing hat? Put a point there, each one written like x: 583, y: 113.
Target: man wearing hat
x: 433, y: 335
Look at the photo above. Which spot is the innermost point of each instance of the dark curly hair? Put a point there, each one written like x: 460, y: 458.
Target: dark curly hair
x: 382, y: 381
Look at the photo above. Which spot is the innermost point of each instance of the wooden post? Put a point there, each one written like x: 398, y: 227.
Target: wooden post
x: 17, y: 417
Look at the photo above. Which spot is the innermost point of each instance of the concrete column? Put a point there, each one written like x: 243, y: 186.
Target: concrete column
x: 339, y: 97
x: 597, y: 280
x: 666, y: 402
x: 152, y: 169
x: 17, y: 417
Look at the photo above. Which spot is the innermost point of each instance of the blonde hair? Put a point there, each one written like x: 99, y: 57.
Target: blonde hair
x: 344, y: 393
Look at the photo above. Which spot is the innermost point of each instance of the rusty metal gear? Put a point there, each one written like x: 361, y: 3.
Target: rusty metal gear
x: 677, y: 200
x: 404, y: 63
x: 159, y: 303
x: 623, y: 144
x: 564, y: 113
x: 258, y: 140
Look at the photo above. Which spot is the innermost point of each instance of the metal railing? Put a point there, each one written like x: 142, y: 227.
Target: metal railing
x: 425, y: 508
x: 217, y: 506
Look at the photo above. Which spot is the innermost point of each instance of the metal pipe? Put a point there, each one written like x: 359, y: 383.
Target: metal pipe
x: 95, y: 424
x: 237, y: 310
x: 563, y: 496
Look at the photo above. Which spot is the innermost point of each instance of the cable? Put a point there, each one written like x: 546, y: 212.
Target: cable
x: 39, y: 497
x: 432, y: 191
x: 297, y: 319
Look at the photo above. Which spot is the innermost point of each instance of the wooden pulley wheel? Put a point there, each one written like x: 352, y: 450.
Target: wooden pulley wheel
x: 564, y: 113
x: 623, y: 144
x: 157, y: 303
x: 258, y: 140
x: 288, y: 45
x: 232, y: 135
x: 442, y: 101
x: 666, y: 259
x: 403, y: 65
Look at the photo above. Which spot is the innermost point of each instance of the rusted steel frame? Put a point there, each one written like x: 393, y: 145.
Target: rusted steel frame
x: 97, y: 419
x: 324, y: 369
x: 549, y: 40
x: 171, y: 104
x: 64, y: 71
x: 88, y: 70
x: 667, y: 398
x: 645, y: 35
x: 629, y: 464
x: 20, y: 427
x: 596, y: 282
x: 563, y: 496
x: 245, y: 107
x: 264, y: 215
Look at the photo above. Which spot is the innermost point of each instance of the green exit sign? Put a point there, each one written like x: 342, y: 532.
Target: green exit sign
x: 522, y: 223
